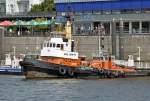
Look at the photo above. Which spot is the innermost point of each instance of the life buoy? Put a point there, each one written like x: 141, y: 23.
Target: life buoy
x: 62, y: 71
x: 71, y: 73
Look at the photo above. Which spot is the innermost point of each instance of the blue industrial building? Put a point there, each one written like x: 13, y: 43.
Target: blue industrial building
x: 90, y: 14
x: 94, y: 5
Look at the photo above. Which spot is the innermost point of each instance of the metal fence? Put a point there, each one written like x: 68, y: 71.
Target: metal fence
x: 2, y: 62
x: 27, y: 14
x: 90, y: 33
x: 28, y: 34
x: 144, y: 65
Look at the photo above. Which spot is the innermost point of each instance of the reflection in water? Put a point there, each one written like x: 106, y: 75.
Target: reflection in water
x: 16, y: 88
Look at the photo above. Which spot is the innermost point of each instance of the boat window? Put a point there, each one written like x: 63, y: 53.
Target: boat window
x: 47, y: 44
x: 50, y: 44
x: 44, y: 45
x: 58, y: 45
x: 54, y: 45
x: 62, y: 47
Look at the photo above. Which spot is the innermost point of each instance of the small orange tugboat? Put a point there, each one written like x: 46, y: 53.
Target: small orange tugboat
x: 59, y: 60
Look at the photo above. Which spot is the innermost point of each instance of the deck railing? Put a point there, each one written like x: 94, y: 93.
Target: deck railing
x: 144, y: 65
x: 2, y: 62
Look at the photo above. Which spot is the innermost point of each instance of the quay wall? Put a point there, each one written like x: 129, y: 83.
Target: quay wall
x: 85, y: 45
x: 88, y: 45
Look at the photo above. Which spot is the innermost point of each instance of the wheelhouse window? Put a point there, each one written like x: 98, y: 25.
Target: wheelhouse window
x: 58, y: 46
x: 62, y: 47
x: 50, y: 44
x: 54, y: 45
x: 45, y: 44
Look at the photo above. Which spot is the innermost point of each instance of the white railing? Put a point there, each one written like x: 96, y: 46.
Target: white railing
x: 121, y: 62
x: 145, y: 65
x: 124, y: 63
x: 2, y: 62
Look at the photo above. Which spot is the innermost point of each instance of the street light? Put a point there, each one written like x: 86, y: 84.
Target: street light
x: 26, y: 49
x: 14, y: 50
x: 139, y: 55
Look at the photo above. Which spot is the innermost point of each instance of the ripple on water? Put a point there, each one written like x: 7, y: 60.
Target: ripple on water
x: 16, y: 88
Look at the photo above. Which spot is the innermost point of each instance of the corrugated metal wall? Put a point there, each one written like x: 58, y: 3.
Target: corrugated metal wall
x: 102, y: 5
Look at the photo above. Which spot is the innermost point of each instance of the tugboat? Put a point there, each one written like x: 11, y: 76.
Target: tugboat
x: 59, y: 60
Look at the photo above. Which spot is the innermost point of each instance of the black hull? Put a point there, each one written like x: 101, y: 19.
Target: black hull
x: 39, y: 69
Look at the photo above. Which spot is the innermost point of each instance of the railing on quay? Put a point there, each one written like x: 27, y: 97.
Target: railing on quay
x: 46, y: 33
x: 27, y: 14
x: 90, y: 33
x: 27, y: 34
x: 97, y: 33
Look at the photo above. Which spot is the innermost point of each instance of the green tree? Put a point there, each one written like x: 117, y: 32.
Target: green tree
x: 46, y: 6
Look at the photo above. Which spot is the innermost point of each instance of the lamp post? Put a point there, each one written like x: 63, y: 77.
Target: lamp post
x: 121, y: 47
x: 139, y: 55
x: 26, y: 49
x: 113, y: 39
x: 99, y: 43
x: 14, y: 50
x: 37, y: 48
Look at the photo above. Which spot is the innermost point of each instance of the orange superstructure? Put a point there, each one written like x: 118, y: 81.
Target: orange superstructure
x: 97, y: 64
x: 63, y: 61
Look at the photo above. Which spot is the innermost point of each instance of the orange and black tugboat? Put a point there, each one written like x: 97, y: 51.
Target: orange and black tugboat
x: 59, y: 60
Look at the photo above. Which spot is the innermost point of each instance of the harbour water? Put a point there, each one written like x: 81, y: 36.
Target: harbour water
x: 17, y: 88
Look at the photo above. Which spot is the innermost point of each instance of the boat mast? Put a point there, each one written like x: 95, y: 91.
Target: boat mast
x: 68, y: 30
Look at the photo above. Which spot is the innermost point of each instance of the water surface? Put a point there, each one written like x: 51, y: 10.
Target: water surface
x: 17, y: 88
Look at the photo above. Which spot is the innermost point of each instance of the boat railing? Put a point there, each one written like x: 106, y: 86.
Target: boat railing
x: 57, y: 34
x: 2, y: 62
x: 123, y: 63
x: 142, y: 65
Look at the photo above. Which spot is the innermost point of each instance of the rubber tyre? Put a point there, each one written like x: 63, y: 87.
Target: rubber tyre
x: 62, y: 71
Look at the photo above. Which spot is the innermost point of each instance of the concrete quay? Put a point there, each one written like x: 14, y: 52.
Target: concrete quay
x: 85, y: 45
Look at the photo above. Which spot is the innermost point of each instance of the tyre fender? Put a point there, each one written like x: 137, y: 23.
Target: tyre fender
x: 70, y: 72
x: 62, y: 71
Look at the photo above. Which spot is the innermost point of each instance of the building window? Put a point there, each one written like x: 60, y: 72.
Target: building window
x: 25, y: 8
x: 135, y: 27
x: 106, y: 11
x: 145, y: 27
x: 146, y: 10
x: 12, y: 8
x: 97, y: 12
x: 117, y: 27
x: 116, y: 12
x: 126, y: 27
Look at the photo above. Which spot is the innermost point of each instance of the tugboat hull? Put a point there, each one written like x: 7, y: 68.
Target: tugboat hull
x: 34, y: 69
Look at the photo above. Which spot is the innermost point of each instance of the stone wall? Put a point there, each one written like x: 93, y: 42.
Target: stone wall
x: 85, y: 45
x: 1, y: 44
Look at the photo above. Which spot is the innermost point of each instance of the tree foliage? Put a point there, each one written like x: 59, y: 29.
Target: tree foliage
x: 45, y: 6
